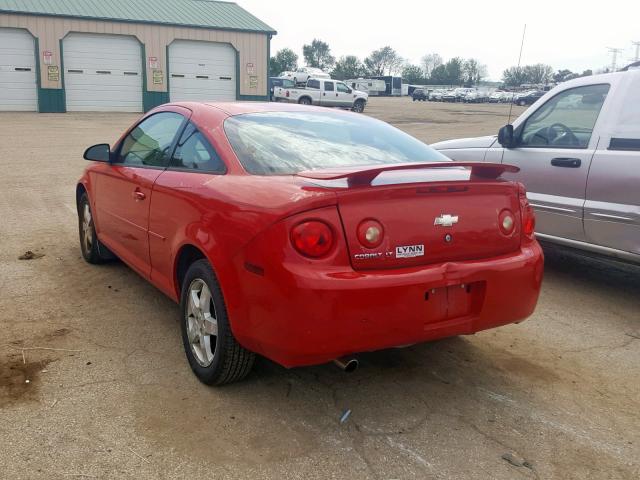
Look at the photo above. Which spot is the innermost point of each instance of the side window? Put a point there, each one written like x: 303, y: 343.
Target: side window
x: 566, y: 120
x: 342, y: 88
x: 194, y: 152
x: 328, y: 86
x: 626, y: 130
x: 313, y: 84
x: 149, y: 143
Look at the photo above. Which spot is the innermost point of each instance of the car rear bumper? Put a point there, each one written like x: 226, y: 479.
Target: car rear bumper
x: 311, y: 318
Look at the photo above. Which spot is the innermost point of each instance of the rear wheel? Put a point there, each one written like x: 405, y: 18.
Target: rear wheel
x: 92, y: 249
x: 358, y: 106
x: 522, y: 103
x: 212, y: 351
x: 304, y: 101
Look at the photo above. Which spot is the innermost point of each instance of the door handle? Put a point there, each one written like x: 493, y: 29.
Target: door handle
x: 138, y: 195
x: 566, y: 162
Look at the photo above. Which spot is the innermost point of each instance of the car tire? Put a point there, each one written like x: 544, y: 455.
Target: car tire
x: 358, y: 107
x: 522, y: 103
x: 215, y: 356
x: 93, y: 250
x: 304, y: 101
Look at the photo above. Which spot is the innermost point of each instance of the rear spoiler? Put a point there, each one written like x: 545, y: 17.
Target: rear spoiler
x: 364, y: 176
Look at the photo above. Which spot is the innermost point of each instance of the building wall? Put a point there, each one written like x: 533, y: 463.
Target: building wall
x: 252, y: 48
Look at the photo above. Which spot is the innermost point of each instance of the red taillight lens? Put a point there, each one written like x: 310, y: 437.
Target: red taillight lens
x: 506, y: 222
x: 312, y: 239
x: 528, y: 216
x: 287, y: 94
x: 370, y: 233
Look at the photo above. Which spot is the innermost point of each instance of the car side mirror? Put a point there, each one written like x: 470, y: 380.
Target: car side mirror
x: 505, y: 137
x: 98, y: 153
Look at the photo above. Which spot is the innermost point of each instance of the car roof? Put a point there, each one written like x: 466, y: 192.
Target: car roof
x: 239, y: 108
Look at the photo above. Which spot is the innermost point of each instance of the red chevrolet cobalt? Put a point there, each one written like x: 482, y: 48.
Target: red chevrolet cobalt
x: 305, y: 234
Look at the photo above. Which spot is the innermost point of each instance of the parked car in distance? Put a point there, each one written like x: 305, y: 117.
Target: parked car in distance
x: 449, y: 96
x: 496, y: 97
x: 436, y: 95
x: 325, y: 93
x: 578, y: 149
x: 419, y: 94
x: 304, y: 234
x: 279, y: 82
x: 475, y: 96
x: 302, y: 74
x: 528, y: 98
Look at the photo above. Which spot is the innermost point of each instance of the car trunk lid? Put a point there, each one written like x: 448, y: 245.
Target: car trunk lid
x: 430, y: 213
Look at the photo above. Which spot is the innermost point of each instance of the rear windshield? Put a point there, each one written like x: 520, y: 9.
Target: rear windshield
x: 280, y: 143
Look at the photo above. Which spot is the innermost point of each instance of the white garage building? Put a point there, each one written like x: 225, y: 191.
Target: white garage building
x: 118, y: 55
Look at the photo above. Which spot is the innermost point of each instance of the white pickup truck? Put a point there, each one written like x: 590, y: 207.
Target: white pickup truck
x: 578, y: 150
x: 324, y: 92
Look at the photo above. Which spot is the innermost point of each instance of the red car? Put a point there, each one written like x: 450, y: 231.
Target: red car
x: 305, y: 234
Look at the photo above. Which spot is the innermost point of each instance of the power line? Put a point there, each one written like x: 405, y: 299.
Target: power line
x: 614, y: 56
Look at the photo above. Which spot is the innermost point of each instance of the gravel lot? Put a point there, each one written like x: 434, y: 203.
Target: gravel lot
x: 110, y: 394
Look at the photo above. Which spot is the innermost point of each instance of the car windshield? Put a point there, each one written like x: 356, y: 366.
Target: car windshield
x: 281, y: 143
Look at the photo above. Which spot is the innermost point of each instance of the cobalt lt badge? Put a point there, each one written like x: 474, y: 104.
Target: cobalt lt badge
x: 446, y: 220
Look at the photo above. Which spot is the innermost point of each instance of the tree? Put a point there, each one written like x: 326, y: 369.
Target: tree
x: 454, y: 71
x: 538, y: 73
x: 348, y: 67
x: 413, y: 74
x: 514, y: 76
x: 285, y: 60
x: 473, y: 71
x: 318, y: 55
x: 430, y: 62
x: 384, y: 61
x: 564, y: 75
x: 439, y: 76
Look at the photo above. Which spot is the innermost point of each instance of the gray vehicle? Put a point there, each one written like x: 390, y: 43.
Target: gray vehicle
x: 578, y: 149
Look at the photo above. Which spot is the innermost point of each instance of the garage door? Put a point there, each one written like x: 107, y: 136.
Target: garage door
x: 102, y: 73
x: 17, y: 71
x: 202, y: 71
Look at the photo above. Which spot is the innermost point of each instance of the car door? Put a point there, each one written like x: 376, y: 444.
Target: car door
x: 344, y: 96
x: 180, y: 201
x: 124, y: 190
x: 612, y: 207
x: 328, y: 97
x: 554, y: 148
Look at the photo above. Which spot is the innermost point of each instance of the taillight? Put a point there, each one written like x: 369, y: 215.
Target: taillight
x: 312, y: 238
x: 526, y: 211
x: 287, y: 94
x: 507, y: 222
x: 370, y: 233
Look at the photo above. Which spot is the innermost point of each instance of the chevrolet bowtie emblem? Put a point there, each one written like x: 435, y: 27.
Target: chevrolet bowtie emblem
x: 446, y: 220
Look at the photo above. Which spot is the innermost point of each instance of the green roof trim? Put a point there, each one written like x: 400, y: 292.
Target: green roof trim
x: 185, y: 13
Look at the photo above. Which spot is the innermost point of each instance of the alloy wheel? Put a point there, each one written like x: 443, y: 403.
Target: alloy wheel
x: 202, y: 323
x: 87, y: 228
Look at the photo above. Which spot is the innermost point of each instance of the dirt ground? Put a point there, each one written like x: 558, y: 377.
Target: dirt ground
x: 110, y: 394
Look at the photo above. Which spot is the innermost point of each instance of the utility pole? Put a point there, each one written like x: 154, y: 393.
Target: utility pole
x: 637, y: 45
x: 614, y: 56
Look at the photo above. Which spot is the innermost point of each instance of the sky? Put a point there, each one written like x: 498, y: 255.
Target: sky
x: 564, y: 34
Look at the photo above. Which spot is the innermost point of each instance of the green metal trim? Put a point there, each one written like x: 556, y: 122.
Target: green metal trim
x: 36, y: 45
x: 237, y: 73
x: 166, y: 69
x: 51, y: 100
x: 268, y: 61
x: 151, y: 100
x: 144, y: 22
x: 253, y: 98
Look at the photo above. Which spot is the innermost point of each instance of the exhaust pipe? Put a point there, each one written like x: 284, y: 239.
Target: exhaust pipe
x: 346, y: 364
